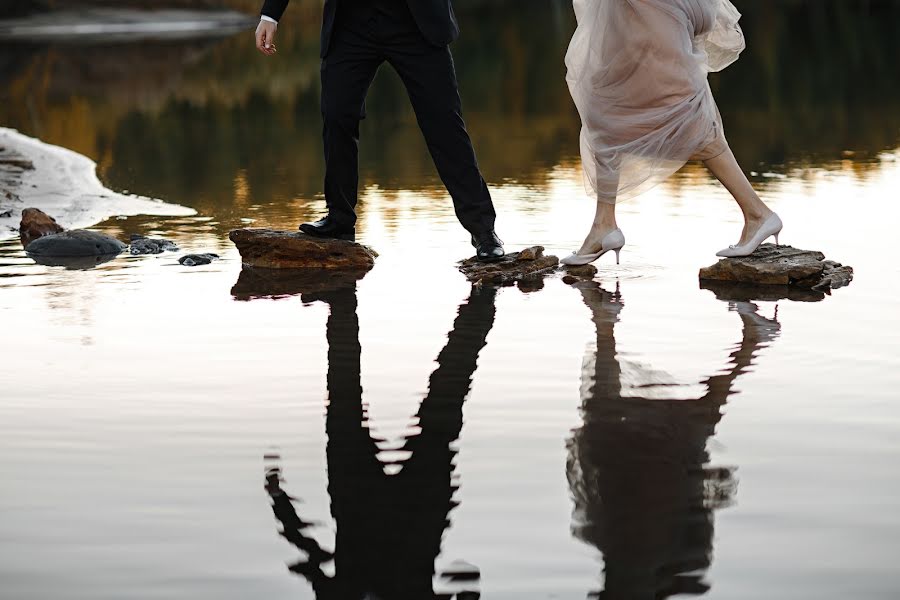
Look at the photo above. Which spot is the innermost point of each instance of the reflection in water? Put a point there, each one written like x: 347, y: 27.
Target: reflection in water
x: 255, y: 282
x: 391, y: 513
x: 639, y: 470
x: 73, y: 263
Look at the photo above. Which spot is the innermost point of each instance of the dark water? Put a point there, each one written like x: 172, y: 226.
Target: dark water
x: 177, y: 433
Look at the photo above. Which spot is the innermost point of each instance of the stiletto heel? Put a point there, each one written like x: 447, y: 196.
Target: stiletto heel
x: 777, y: 243
x: 613, y: 242
x: 771, y: 226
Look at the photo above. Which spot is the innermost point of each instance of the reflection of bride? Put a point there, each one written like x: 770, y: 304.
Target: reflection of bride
x: 639, y: 470
x: 637, y: 71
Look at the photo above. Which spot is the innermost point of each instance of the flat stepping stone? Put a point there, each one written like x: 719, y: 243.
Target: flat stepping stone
x: 781, y: 266
x: 271, y: 249
x: 528, y: 264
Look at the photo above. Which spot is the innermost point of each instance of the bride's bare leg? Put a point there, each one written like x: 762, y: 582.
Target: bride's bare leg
x: 727, y: 170
x: 604, y: 222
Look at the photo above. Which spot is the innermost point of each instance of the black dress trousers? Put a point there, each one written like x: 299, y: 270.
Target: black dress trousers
x: 368, y: 33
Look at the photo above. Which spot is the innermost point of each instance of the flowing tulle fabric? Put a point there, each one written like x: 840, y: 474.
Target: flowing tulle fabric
x: 637, y: 71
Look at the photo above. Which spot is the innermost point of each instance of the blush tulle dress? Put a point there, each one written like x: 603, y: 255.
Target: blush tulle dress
x: 637, y: 71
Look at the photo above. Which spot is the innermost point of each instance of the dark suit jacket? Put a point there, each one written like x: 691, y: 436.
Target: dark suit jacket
x: 435, y: 19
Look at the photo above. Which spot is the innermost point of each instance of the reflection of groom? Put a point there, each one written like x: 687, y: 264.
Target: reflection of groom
x: 389, y: 527
x: 413, y: 37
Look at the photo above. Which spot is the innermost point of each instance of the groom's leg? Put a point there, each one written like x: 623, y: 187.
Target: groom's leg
x: 347, y: 72
x: 430, y: 79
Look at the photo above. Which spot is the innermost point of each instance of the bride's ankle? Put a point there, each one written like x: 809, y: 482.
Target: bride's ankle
x: 758, y: 217
x: 601, y: 229
x: 593, y: 241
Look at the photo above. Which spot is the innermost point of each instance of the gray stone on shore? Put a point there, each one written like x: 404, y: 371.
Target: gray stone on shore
x: 272, y: 249
x: 196, y: 260
x: 75, y: 243
x: 781, y: 266
x: 145, y: 245
x: 47, y: 243
x: 517, y: 267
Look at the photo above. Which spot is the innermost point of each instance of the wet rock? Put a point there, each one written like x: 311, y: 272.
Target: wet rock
x: 36, y: 224
x: 581, y: 271
x: 145, y: 245
x: 533, y: 253
x: 195, y: 260
x: 577, y: 274
x: 515, y: 267
x: 834, y: 276
x: 781, y: 265
x: 258, y: 282
x: 75, y: 243
x: 294, y: 250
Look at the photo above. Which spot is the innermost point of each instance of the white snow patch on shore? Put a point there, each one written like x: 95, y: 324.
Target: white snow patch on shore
x: 64, y: 185
x: 89, y: 24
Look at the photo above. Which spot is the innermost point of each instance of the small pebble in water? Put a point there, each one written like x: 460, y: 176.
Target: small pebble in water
x: 194, y: 260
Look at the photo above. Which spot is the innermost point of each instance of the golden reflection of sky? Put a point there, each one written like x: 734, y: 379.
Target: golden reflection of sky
x: 671, y: 231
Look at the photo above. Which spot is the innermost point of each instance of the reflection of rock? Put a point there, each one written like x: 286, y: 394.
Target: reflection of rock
x: 73, y: 263
x: 75, y: 243
x: 36, y: 224
x: 730, y: 291
x: 781, y: 265
x: 195, y: 260
x: 256, y: 282
x: 518, y: 266
x: 145, y: 245
x: 294, y: 250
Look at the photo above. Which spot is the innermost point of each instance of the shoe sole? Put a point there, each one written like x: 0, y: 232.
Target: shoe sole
x: 346, y: 237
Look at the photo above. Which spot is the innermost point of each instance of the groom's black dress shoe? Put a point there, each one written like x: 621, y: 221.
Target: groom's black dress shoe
x: 488, y: 247
x: 329, y: 228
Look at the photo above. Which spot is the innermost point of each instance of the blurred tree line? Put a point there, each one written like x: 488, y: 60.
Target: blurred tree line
x: 818, y: 80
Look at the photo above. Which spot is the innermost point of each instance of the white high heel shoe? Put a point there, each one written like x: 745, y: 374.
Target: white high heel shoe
x: 771, y: 226
x: 614, y: 241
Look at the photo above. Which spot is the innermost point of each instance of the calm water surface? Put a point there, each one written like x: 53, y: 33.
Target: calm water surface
x: 168, y: 432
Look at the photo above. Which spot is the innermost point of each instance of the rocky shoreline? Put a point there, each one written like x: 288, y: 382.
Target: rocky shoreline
x: 64, y: 184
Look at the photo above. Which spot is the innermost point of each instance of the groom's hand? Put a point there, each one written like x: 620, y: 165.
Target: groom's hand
x: 265, y: 37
